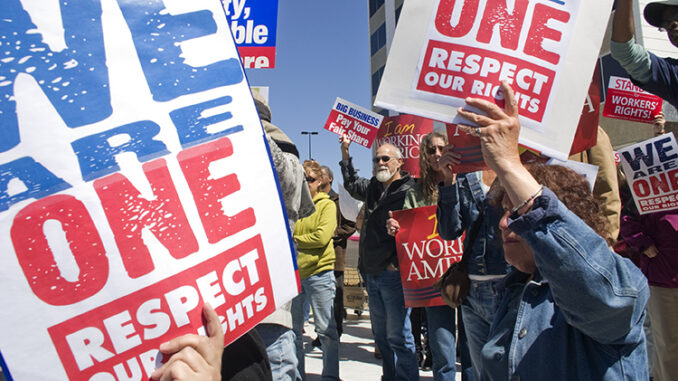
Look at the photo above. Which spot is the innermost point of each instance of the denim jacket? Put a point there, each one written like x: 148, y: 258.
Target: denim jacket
x: 458, y: 209
x: 581, y: 315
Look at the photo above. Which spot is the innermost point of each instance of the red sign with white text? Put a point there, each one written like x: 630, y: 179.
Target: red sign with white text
x: 463, y: 71
x: 359, y: 125
x: 627, y: 101
x: 423, y: 257
x: 405, y: 132
x: 126, y: 332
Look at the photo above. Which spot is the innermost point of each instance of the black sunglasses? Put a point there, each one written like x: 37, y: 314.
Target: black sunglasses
x: 433, y: 149
x: 310, y: 179
x: 384, y: 159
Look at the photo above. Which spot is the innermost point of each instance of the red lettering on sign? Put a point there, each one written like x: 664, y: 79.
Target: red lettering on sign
x: 128, y: 213
x: 466, y: 19
x: 37, y: 259
x: 496, y: 13
x: 540, y: 32
x: 208, y: 191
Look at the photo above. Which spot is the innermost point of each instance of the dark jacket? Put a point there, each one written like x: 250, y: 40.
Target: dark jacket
x: 377, y: 248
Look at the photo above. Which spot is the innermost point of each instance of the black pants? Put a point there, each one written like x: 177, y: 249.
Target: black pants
x: 339, y: 302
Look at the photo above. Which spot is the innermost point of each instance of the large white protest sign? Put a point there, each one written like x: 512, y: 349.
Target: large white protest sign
x: 135, y: 186
x: 447, y: 50
x: 651, y: 169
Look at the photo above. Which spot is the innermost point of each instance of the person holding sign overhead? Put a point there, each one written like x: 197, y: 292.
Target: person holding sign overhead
x: 378, y: 261
x: 649, y: 72
x: 572, y: 309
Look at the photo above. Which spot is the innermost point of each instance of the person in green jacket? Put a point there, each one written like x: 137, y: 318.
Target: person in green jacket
x: 315, y: 261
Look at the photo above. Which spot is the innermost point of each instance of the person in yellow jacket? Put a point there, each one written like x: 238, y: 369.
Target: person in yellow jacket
x: 315, y: 261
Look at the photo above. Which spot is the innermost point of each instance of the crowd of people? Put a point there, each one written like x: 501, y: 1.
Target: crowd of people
x: 565, y: 283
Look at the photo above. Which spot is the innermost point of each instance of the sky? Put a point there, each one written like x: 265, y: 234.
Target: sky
x: 322, y: 52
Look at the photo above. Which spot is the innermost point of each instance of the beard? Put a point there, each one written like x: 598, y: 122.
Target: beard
x: 384, y: 175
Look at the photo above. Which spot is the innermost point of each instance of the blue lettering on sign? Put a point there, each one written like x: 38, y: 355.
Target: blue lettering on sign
x: 157, y: 35
x: 252, y: 22
x: 39, y: 182
x: 192, y: 127
x: 663, y: 146
x: 96, y: 156
x: 74, y: 80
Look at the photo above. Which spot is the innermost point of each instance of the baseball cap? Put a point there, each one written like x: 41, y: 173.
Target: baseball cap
x: 653, y: 11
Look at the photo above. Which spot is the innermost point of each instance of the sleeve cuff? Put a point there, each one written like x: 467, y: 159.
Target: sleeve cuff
x: 544, y: 209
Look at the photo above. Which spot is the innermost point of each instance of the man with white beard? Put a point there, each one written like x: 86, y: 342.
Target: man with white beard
x: 378, y: 262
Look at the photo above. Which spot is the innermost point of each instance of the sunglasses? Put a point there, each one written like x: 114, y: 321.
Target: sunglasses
x: 384, y: 159
x: 433, y: 149
x: 310, y: 179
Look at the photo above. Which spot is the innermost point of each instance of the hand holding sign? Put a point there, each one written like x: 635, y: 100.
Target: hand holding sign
x: 449, y: 159
x: 194, y: 357
x: 392, y: 225
x: 499, y: 130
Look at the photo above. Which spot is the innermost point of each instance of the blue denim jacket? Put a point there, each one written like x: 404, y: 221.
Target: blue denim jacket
x: 581, y: 315
x: 458, y: 209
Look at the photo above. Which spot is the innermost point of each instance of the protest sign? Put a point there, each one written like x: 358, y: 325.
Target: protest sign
x: 651, y: 169
x: 585, y: 136
x: 627, y: 101
x: 359, y: 124
x: 423, y: 257
x: 253, y: 25
x: 405, y: 132
x: 446, y: 50
x: 135, y: 186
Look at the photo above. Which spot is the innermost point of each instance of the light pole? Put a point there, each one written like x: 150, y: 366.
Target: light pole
x: 309, y: 133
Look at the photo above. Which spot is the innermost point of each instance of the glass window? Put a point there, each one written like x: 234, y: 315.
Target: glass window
x: 376, y: 80
x: 375, y: 5
x: 378, y: 39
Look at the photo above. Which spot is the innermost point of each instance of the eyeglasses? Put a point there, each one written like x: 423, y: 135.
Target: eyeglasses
x: 384, y: 159
x: 431, y: 150
x: 310, y: 179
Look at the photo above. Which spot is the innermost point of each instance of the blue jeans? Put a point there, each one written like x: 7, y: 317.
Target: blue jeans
x: 391, y: 325
x: 319, y: 289
x: 478, y: 311
x: 279, y: 341
x: 441, y: 326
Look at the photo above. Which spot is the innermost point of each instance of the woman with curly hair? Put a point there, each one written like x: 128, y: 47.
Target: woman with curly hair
x: 572, y: 309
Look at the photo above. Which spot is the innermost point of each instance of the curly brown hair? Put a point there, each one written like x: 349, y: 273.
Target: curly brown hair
x: 572, y: 189
x: 428, y: 181
x: 313, y: 167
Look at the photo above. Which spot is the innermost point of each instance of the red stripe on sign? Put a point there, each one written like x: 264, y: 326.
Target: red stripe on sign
x: 461, y: 71
x: 257, y: 57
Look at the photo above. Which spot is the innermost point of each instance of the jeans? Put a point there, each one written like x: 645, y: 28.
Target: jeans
x: 391, y: 326
x: 441, y: 326
x: 319, y: 289
x: 478, y: 311
x: 279, y: 341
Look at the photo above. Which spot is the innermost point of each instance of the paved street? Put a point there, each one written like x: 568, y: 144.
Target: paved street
x: 356, y: 352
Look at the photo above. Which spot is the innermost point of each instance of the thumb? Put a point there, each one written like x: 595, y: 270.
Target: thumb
x: 212, y: 324
x: 390, y: 214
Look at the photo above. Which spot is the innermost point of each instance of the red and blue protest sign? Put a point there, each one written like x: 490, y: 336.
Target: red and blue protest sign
x: 253, y: 25
x: 136, y: 185
x: 359, y: 124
